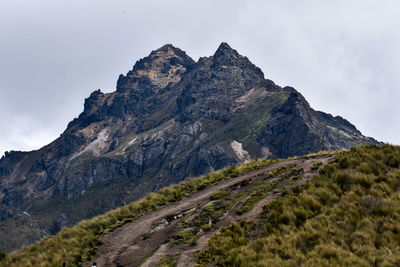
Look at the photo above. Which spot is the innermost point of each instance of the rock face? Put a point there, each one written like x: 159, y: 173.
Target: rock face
x: 170, y: 118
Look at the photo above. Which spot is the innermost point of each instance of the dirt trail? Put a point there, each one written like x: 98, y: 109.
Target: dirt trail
x: 284, y: 186
x: 144, y: 241
x: 186, y: 257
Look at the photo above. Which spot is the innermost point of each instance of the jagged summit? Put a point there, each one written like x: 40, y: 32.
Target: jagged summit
x: 166, y: 47
x: 167, y: 54
x: 169, y: 118
x: 162, y: 67
x: 227, y: 56
x: 225, y: 49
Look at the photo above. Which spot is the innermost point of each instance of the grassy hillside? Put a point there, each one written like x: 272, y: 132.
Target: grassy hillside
x: 348, y: 216
x: 76, y: 244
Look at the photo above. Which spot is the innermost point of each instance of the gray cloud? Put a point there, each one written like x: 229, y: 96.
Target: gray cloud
x: 341, y: 55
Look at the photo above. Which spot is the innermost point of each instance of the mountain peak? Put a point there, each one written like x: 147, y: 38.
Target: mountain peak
x: 167, y: 47
x: 163, y: 66
x: 167, y: 54
x: 224, y: 49
x: 227, y: 56
x: 224, y: 46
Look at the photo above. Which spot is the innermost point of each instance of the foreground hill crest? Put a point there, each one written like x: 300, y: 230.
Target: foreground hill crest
x: 169, y: 118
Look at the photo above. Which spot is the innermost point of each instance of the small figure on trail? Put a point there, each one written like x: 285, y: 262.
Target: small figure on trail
x: 94, y: 264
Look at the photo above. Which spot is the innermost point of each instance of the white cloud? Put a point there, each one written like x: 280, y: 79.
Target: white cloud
x: 23, y: 132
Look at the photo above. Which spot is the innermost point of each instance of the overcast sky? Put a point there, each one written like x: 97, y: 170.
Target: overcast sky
x: 343, y: 56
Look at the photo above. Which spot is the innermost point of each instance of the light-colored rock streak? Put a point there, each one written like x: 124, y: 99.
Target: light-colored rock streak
x: 97, y: 146
x: 241, y: 154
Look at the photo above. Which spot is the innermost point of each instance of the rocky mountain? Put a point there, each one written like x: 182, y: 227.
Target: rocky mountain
x: 170, y: 118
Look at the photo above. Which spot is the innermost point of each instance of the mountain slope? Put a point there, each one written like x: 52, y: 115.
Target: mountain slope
x: 170, y: 118
x: 187, y: 206
x: 265, y: 213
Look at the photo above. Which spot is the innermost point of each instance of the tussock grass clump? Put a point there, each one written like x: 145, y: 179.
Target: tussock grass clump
x: 220, y: 194
x: 169, y: 261
x: 75, y: 245
x: 232, y: 236
x: 348, y: 216
x: 187, y: 236
x: 316, y: 166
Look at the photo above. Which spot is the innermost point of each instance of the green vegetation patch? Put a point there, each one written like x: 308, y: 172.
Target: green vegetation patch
x: 348, y: 216
x: 187, y: 236
x: 255, y: 197
x: 231, y: 237
x: 213, y: 212
x: 220, y: 194
x: 316, y: 166
x: 169, y: 261
x: 280, y: 170
x: 261, y: 190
